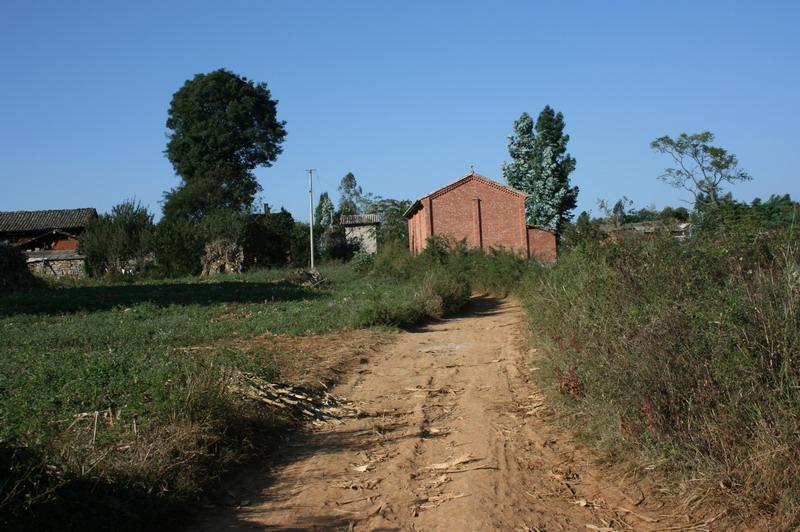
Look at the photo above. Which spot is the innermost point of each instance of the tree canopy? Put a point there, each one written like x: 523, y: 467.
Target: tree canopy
x: 700, y: 167
x: 540, y: 166
x: 222, y: 126
x: 324, y: 212
x: 350, y: 195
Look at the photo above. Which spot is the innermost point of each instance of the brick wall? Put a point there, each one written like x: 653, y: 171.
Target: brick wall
x: 493, y: 220
x: 542, y: 244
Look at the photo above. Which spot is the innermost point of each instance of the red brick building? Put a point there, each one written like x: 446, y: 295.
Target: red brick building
x: 485, y: 213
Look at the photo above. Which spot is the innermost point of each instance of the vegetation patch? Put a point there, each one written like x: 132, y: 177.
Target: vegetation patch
x: 686, y: 352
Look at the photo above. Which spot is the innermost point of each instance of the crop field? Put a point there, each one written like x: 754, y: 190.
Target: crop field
x: 125, y: 383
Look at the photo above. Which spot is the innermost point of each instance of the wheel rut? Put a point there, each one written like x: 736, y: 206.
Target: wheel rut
x: 457, y: 438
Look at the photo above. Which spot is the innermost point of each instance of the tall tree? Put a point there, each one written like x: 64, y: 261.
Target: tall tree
x: 700, y: 167
x: 518, y: 173
x: 394, y: 226
x: 540, y: 166
x: 222, y: 126
x: 323, y: 214
x: 350, y: 195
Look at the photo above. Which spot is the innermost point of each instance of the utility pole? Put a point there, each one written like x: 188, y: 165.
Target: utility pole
x: 311, y: 211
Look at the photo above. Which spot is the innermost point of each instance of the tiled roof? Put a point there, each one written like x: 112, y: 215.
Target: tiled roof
x: 49, y: 255
x: 21, y: 221
x: 361, y: 219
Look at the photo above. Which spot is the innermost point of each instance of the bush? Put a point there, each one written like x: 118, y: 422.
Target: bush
x: 119, y: 242
x: 687, y: 350
x: 267, y: 239
x: 362, y: 262
x: 14, y: 271
x: 178, y: 246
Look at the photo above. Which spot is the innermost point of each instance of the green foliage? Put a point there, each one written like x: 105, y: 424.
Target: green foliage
x: 540, y: 166
x: 394, y: 226
x: 746, y: 221
x: 267, y: 238
x: 222, y: 126
x: 158, y: 356
x: 119, y: 242
x: 299, y: 246
x: 324, y: 212
x: 14, y: 271
x: 362, y: 262
x: 333, y: 244
x: 350, y: 195
x: 178, y: 246
x: 685, y: 350
x: 700, y: 167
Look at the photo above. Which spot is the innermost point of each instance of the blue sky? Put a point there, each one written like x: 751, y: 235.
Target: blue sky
x: 406, y: 95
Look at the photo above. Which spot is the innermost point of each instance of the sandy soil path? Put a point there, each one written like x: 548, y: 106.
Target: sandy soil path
x: 453, y: 439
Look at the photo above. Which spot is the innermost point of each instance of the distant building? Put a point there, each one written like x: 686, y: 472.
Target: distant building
x: 646, y: 230
x: 362, y: 229
x: 49, y: 239
x: 487, y: 214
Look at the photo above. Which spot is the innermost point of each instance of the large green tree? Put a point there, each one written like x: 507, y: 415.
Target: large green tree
x: 699, y: 167
x: 222, y: 126
x: 324, y: 212
x: 350, y: 195
x: 540, y: 166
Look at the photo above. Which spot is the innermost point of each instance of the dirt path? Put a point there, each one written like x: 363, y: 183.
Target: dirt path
x: 453, y: 439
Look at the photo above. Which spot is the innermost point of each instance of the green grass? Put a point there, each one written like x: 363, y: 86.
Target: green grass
x: 683, y: 352
x: 167, y: 427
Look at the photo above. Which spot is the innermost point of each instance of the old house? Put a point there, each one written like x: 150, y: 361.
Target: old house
x: 362, y: 229
x: 487, y: 214
x: 49, y: 239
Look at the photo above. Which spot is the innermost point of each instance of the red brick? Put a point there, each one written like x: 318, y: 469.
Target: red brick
x: 484, y: 213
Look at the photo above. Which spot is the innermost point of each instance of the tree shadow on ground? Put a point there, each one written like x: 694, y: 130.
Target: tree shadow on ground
x: 477, y: 305
x: 65, y: 300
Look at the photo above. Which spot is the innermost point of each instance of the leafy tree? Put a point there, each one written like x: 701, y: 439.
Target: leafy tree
x: 300, y: 245
x: 324, y: 213
x: 222, y: 126
x: 267, y: 238
x: 700, y: 167
x: 584, y: 230
x: 540, y: 166
x: 350, y: 195
x: 334, y: 244
x: 119, y: 241
x: 519, y: 172
x: 616, y: 214
x: 394, y: 227
x: 178, y: 242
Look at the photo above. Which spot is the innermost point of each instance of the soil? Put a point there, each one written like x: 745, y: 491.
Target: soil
x: 452, y: 435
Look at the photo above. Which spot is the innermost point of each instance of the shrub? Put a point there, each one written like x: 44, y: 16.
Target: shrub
x: 688, y: 350
x: 443, y: 292
x: 119, y: 242
x: 362, y: 262
x: 178, y: 246
x: 14, y: 271
x: 393, y: 261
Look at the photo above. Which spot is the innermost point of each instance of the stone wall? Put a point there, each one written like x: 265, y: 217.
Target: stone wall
x: 58, y: 268
x: 365, y: 235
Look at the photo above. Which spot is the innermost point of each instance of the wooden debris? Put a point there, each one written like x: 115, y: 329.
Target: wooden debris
x: 298, y: 401
x: 463, y: 459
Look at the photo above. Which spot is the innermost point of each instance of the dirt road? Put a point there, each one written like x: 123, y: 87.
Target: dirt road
x: 454, y: 439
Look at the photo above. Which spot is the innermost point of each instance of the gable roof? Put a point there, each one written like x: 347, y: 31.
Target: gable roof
x: 472, y: 176
x: 22, y: 221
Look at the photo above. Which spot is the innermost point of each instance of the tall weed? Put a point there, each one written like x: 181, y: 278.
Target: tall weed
x: 688, y: 351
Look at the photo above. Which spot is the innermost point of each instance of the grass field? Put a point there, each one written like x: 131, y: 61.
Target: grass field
x: 124, y: 384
